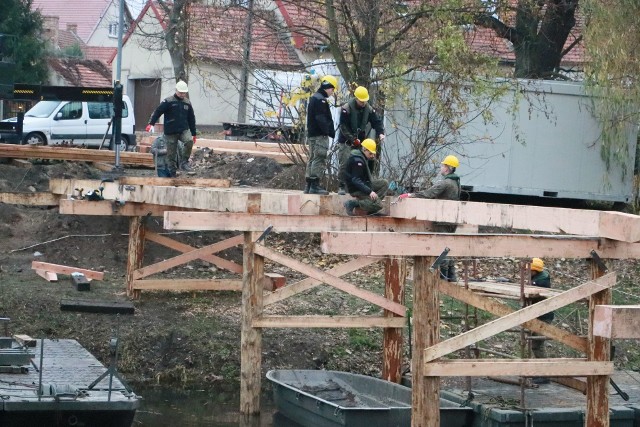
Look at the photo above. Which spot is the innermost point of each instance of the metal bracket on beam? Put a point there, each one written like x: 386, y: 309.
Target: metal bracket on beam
x: 598, y: 261
x: 264, y: 234
x: 439, y: 260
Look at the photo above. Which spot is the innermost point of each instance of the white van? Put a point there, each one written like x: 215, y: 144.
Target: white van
x: 76, y: 123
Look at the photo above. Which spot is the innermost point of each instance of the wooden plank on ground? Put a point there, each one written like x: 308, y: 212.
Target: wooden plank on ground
x: 273, y: 147
x: 327, y: 278
x: 74, y: 154
x: 475, y: 245
x: 30, y: 199
x: 174, y: 182
x: 511, y: 289
x: 612, y: 225
x: 47, y: 275
x: 19, y: 163
x: 65, y: 269
x: 520, y: 367
x: 617, y: 321
x: 25, y: 340
x: 328, y: 322
x: 518, y: 317
x: 94, y: 306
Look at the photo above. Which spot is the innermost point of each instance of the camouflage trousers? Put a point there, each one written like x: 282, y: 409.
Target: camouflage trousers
x: 380, y: 187
x: 173, y: 157
x: 317, y: 161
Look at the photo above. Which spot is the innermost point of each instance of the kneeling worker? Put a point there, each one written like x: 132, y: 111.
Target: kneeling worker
x: 368, y: 191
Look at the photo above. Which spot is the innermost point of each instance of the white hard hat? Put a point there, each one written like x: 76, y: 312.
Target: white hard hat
x: 182, y: 87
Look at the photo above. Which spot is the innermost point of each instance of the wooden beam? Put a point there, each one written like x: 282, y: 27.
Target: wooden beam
x: 328, y: 322
x: 475, y: 245
x: 578, y: 384
x: 500, y: 309
x: 310, y: 283
x: 184, y: 248
x: 520, y: 367
x: 74, y: 154
x: 327, y: 278
x: 91, y: 306
x: 109, y: 208
x: 135, y: 251
x: 188, y: 285
x: 395, y: 273
x: 617, y: 321
x: 267, y: 147
x: 174, y: 182
x: 30, y: 199
x: 187, y: 257
x: 518, y: 317
x: 64, y: 269
x: 286, y: 223
x: 49, y: 276
x: 612, y: 225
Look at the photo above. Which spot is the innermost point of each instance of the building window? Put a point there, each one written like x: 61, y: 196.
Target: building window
x: 113, y: 29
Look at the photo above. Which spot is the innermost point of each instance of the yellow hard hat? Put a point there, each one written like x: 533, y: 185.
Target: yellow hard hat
x: 329, y: 80
x: 370, y: 145
x: 361, y: 93
x: 451, y: 161
x: 182, y: 87
x: 537, y: 264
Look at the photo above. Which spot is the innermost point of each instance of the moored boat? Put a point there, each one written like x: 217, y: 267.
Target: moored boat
x: 315, y: 398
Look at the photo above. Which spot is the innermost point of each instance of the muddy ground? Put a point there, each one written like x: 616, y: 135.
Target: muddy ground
x: 192, y: 339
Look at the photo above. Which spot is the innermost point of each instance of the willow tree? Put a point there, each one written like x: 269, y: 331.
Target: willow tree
x: 613, y: 72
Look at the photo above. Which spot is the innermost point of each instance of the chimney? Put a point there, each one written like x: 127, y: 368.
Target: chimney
x: 50, y: 26
x: 73, y: 28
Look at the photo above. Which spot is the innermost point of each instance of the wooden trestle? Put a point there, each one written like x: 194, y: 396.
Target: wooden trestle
x: 390, y: 240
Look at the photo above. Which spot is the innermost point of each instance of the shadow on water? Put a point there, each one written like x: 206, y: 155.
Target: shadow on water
x: 170, y: 408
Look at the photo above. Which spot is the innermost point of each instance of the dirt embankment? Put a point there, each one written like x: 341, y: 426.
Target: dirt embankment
x: 193, y: 339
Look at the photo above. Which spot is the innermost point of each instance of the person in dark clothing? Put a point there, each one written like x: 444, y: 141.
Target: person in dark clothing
x: 179, y: 125
x: 540, y: 277
x: 320, y: 132
x: 357, y: 119
x: 446, y: 188
x: 159, y: 151
x: 367, y: 191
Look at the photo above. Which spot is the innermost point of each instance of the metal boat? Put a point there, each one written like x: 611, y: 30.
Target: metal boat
x: 314, y: 398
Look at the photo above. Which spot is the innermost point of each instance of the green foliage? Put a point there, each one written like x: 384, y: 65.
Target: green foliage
x: 26, y: 48
x: 613, y: 73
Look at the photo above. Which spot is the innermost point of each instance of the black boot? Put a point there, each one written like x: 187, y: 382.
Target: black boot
x: 316, y: 189
x: 307, y: 187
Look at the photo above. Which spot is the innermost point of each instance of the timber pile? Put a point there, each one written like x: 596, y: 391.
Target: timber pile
x: 282, y: 153
x: 74, y: 154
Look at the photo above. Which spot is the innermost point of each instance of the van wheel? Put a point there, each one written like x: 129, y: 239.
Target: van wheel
x: 34, y: 138
x: 124, y: 144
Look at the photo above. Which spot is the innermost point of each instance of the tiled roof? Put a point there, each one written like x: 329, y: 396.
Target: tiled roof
x: 216, y: 35
x: 86, y: 14
x: 82, y: 72
x: 69, y: 38
x: 103, y: 54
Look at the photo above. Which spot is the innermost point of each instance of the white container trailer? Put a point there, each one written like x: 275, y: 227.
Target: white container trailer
x: 548, y: 148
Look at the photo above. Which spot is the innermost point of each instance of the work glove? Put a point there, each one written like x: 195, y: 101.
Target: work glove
x: 194, y: 139
x: 149, y: 128
x: 381, y: 137
x: 404, y: 196
x: 356, y: 143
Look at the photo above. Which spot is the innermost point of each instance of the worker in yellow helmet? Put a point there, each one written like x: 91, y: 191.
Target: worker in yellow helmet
x: 540, y: 277
x: 367, y: 191
x: 357, y: 120
x: 447, y: 188
x: 320, y: 131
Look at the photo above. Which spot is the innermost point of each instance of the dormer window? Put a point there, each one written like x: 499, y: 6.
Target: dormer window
x: 113, y: 29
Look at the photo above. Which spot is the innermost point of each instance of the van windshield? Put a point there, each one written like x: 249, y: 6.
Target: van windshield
x: 42, y: 109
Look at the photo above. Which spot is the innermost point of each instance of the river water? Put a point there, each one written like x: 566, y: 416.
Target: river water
x: 170, y: 408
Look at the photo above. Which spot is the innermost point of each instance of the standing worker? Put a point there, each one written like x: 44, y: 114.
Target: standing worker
x: 368, y: 191
x: 540, y: 277
x: 179, y: 125
x: 446, y: 188
x: 320, y: 130
x: 357, y: 118
x: 159, y: 151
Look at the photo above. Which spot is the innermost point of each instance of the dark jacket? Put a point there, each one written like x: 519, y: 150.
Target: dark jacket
x: 357, y: 173
x: 319, y: 118
x: 447, y: 188
x: 356, y: 122
x: 543, y: 280
x: 178, y: 115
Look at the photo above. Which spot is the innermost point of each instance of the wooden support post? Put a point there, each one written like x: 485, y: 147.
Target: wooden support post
x: 395, y: 270
x: 135, y: 252
x: 426, y: 332
x: 251, y: 338
x: 599, y: 350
